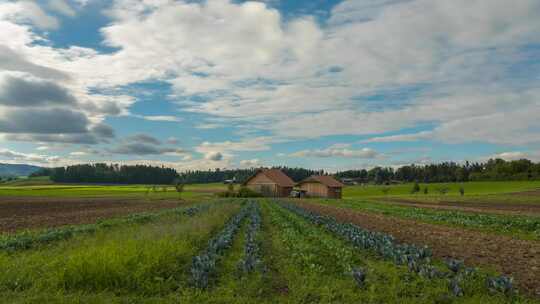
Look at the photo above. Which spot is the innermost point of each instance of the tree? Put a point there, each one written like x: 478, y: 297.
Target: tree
x: 416, y: 188
x: 179, y: 186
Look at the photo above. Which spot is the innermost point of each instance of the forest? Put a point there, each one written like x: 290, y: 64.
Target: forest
x: 492, y: 170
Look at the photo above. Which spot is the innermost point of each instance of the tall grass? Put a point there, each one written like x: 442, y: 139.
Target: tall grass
x: 144, y: 259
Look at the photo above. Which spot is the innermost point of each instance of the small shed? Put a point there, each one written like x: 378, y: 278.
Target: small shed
x: 270, y: 182
x: 321, y: 186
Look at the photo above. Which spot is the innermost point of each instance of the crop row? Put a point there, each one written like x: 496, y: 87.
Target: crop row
x: 252, y: 248
x: 417, y: 259
x: 307, y: 246
x: 27, y: 240
x: 501, y: 223
x: 204, y: 265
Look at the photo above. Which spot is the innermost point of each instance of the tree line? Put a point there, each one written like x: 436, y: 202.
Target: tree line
x: 111, y: 174
x: 492, y: 170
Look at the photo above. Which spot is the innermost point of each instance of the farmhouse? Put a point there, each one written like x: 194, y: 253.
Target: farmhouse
x: 270, y: 182
x: 321, y: 186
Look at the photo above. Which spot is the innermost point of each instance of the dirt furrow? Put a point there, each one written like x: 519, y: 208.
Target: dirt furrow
x: 44, y: 213
x: 517, y: 258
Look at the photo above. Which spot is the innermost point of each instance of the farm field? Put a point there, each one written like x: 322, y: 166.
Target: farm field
x: 125, y: 244
x: 31, y: 207
x: 471, y: 189
x: 513, y: 197
x: 236, y: 251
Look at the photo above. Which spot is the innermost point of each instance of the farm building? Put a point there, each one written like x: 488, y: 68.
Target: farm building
x: 321, y: 186
x: 270, y: 182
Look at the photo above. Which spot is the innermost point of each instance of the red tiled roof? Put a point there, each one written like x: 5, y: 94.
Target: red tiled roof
x: 276, y: 176
x: 326, y: 180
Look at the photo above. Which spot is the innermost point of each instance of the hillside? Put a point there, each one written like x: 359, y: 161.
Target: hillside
x: 17, y: 170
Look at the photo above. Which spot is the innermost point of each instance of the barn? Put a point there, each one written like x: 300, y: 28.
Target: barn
x: 321, y: 186
x: 270, y: 182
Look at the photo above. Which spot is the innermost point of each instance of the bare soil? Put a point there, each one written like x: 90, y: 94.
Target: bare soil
x: 517, y: 258
x: 479, y: 207
x: 534, y: 193
x: 41, y: 212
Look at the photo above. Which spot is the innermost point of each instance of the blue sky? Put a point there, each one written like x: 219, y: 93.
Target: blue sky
x: 339, y: 84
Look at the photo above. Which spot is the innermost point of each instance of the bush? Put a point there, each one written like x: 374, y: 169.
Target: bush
x: 246, y: 192
x: 242, y: 192
x: 416, y: 188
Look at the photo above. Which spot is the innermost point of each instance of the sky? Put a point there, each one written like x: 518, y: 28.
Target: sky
x: 322, y: 84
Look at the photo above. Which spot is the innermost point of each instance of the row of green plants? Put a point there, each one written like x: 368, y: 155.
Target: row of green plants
x: 323, y: 268
x: 417, y: 259
x: 527, y: 226
x: 203, y: 269
x: 142, y: 260
x: 29, y: 239
x: 252, y: 259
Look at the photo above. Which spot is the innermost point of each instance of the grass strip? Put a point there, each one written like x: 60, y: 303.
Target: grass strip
x: 29, y: 239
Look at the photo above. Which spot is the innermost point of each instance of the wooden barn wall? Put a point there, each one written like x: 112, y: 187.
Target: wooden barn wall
x: 262, y: 184
x: 315, y: 189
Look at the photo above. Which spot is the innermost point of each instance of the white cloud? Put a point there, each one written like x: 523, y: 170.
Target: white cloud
x: 61, y: 7
x: 250, y: 163
x: 338, y: 151
x: 515, y: 155
x: 27, y: 157
x: 167, y: 118
x: 213, y: 156
x: 78, y: 153
x: 28, y: 11
x: 400, y: 137
x: 248, y: 144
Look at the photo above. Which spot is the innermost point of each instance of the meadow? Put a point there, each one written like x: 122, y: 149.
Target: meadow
x: 471, y: 189
x: 201, y: 249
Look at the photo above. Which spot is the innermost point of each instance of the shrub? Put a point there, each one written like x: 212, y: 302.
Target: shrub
x: 246, y: 192
x: 416, y: 188
x: 242, y: 192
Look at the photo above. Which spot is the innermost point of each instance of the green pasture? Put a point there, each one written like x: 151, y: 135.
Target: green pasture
x: 142, y: 191
x: 471, y: 188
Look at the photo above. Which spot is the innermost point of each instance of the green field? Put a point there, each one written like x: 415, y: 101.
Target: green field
x: 76, y: 191
x: 471, y: 188
x: 281, y: 255
x: 295, y: 262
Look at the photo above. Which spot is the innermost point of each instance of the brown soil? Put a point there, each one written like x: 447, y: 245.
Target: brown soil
x: 528, y: 193
x: 481, y: 207
x: 517, y: 258
x: 31, y: 212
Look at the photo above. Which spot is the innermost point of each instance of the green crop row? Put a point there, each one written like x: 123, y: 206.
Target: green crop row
x: 29, y: 239
x: 524, y: 226
x: 151, y: 259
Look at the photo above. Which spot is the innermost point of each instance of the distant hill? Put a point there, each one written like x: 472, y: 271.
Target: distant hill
x: 17, y: 170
